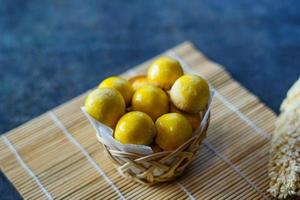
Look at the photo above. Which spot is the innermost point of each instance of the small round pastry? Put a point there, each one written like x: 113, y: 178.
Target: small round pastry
x: 164, y: 71
x: 105, y: 105
x: 139, y: 81
x: 151, y: 100
x: 190, y: 93
x: 120, y: 84
x: 173, y: 130
x: 135, y: 128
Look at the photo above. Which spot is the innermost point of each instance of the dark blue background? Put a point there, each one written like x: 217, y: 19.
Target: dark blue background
x: 51, y: 51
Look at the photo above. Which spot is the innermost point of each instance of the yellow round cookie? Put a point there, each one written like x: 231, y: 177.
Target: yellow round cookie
x: 164, y: 71
x: 173, y: 130
x: 190, y: 93
x: 151, y: 100
x: 135, y: 128
x: 120, y: 84
x: 139, y: 81
x: 106, y: 105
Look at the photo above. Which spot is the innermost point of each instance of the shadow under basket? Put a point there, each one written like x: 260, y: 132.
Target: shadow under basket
x: 157, y: 167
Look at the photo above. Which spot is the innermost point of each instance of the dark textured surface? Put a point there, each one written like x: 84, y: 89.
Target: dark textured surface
x: 53, y: 50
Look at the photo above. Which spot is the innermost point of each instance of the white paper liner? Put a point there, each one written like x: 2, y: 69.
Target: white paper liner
x: 106, y: 133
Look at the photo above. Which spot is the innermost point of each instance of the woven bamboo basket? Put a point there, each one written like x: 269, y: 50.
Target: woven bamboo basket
x: 155, y: 167
x: 161, y: 166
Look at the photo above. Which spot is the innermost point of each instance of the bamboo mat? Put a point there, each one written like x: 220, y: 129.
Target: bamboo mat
x: 57, y: 156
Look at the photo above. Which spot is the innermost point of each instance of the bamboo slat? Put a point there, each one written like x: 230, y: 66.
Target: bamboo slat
x: 57, y: 155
